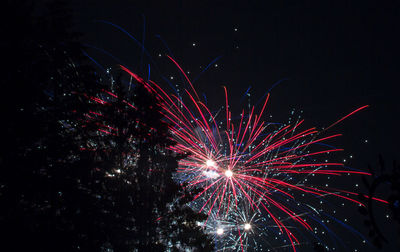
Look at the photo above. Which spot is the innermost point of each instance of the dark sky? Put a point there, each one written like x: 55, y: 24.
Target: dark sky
x: 333, y: 56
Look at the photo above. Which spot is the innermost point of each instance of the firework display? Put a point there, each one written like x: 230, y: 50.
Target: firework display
x: 152, y: 126
x: 250, y: 172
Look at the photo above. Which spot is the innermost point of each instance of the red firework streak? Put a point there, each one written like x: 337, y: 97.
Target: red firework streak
x: 245, y: 161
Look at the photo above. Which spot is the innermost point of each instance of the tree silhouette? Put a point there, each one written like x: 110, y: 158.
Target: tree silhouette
x: 81, y: 170
x: 133, y: 149
x: 40, y: 174
x: 380, y: 178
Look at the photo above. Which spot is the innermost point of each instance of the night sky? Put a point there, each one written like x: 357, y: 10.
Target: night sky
x: 330, y: 56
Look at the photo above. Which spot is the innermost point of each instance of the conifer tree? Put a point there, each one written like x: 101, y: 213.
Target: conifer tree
x: 82, y: 170
x: 148, y: 203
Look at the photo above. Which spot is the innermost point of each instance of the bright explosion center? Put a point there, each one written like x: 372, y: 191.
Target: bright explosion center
x: 210, y: 163
x: 228, y: 173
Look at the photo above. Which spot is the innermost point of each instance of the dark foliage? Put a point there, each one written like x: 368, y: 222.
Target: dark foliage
x: 381, y: 177
x: 133, y: 152
x: 65, y: 185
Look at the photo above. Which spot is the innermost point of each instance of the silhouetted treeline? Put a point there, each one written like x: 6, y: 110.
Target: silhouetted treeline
x: 84, y: 163
x: 381, y: 177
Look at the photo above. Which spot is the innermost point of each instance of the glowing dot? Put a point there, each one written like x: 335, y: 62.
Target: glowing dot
x: 194, y: 44
x: 210, y: 163
x: 220, y: 231
x: 247, y: 226
x: 228, y: 173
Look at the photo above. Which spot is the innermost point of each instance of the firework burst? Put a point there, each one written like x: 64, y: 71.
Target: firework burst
x: 247, y: 169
